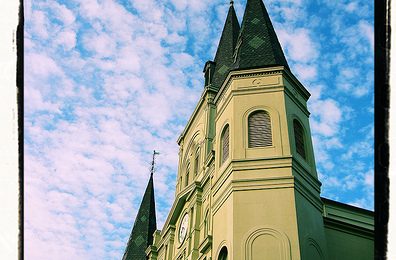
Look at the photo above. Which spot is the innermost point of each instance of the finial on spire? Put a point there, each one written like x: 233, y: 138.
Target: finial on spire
x: 153, y: 162
x: 231, y: 3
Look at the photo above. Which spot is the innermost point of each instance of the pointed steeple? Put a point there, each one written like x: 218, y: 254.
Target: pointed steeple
x: 224, y: 54
x: 258, y: 45
x: 144, y: 226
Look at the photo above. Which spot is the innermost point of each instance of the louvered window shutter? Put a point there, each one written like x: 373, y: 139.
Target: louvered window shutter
x: 259, y: 129
x: 225, y: 143
x: 299, y: 138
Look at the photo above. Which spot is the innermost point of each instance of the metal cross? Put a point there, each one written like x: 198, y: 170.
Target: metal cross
x: 153, y: 162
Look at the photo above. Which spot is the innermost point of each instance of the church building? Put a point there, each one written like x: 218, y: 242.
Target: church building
x: 247, y: 186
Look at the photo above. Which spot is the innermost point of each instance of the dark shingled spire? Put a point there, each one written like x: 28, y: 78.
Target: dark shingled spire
x: 224, y: 54
x: 258, y: 45
x: 144, y: 227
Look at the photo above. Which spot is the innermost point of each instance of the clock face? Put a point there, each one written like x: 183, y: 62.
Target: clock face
x: 183, y: 228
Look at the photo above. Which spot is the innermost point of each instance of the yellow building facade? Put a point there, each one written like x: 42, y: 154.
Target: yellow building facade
x: 247, y: 186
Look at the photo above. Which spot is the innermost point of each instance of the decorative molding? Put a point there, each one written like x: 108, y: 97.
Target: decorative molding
x: 309, y: 241
x: 243, y: 74
x: 206, y: 244
x: 344, y: 227
x: 294, y: 97
x: 281, y: 237
x: 221, y: 245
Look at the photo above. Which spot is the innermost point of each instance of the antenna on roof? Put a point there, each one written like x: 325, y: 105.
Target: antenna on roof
x: 153, y: 162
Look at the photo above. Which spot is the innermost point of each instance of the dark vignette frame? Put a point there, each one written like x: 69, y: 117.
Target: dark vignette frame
x: 382, y: 32
x: 20, y: 99
x: 381, y: 118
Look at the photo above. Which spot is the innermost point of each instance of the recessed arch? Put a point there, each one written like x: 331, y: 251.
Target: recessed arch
x: 312, y: 249
x: 187, y: 164
x: 259, y: 239
x: 194, y: 141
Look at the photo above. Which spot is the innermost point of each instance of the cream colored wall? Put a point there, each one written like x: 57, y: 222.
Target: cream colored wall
x: 257, y: 184
x: 269, y: 212
x: 223, y: 228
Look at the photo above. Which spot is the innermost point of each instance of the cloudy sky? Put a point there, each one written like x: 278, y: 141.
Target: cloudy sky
x: 108, y: 81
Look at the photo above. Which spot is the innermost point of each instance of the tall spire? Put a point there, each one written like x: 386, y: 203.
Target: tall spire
x: 258, y: 45
x: 145, y: 223
x: 223, y: 59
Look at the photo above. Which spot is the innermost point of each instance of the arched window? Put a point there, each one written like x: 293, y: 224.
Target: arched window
x: 196, y: 163
x: 225, y: 144
x: 187, y: 174
x: 299, y: 138
x: 223, y: 254
x: 259, y: 129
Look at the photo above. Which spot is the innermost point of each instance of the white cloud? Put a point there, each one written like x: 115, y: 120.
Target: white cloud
x: 351, y: 7
x: 305, y: 72
x: 183, y: 60
x: 41, y: 65
x: 368, y: 31
x: 67, y: 39
x: 358, y: 150
x: 369, y: 179
x: 63, y: 13
x: 102, y: 44
x: 299, y: 45
x: 327, y: 117
x: 39, y: 24
x: 36, y: 102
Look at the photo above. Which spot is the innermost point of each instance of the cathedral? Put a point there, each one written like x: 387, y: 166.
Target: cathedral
x: 247, y: 186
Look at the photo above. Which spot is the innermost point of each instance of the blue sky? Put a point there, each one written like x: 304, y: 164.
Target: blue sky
x: 107, y: 82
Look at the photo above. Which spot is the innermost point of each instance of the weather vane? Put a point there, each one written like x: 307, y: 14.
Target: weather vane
x: 153, y: 162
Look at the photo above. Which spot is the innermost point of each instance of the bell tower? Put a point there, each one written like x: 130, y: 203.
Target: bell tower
x: 247, y: 186
x: 265, y: 191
